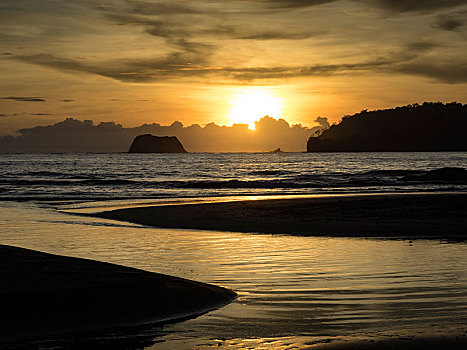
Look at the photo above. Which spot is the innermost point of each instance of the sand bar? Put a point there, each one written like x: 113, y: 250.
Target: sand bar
x: 45, y: 294
x: 442, y: 215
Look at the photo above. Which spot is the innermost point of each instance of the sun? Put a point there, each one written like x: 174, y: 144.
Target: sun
x: 250, y: 106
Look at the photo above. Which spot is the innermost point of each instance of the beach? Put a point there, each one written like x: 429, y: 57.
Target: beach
x: 43, y: 294
x: 308, y: 292
x: 435, y: 215
x: 341, y: 251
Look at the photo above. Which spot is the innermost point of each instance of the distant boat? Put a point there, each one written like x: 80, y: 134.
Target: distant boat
x: 277, y: 150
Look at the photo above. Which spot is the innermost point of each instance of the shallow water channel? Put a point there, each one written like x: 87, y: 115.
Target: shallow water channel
x: 293, y: 291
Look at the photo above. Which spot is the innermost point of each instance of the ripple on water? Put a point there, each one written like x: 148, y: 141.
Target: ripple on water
x: 293, y: 291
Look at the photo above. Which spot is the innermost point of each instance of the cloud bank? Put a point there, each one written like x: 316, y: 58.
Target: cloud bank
x: 23, y: 99
x: 73, y: 135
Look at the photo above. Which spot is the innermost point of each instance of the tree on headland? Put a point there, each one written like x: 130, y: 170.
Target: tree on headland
x: 427, y: 127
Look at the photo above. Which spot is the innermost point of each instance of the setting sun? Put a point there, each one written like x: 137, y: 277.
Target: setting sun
x: 250, y: 106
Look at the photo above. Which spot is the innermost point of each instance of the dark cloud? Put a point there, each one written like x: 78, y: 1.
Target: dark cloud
x: 193, y: 47
x: 421, y: 46
x: 452, y: 21
x: 293, y: 3
x: 187, y: 31
x: 393, y: 5
x: 23, y: 99
x: 174, y: 8
x: 180, y: 65
x: 449, y: 24
x: 66, y: 100
x: 40, y: 114
x: 164, y: 7
x: 161, y: 19
x: 160, y: 8
x: 145, y: 70
x: 190, y: 22
x: 177, y: 35
x: 255, y: 73
x: 156, y: 27
x: 72, y: 135
x: 192, y: 66
x: 416, y: 58
x: 173, y: 29
x: 414, y: 5
x: 193, y: 62
x: 448, y: 72
x: 274, y: 35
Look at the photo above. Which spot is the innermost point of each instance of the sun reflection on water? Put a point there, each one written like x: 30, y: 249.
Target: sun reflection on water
x: 293, y: 291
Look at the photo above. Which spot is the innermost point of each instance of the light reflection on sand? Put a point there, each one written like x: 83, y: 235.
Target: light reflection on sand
x: 90, y: 207
x: 294, y: 291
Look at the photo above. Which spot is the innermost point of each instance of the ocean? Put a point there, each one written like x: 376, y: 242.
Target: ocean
x: 294, y: 292
x: 119, y: 176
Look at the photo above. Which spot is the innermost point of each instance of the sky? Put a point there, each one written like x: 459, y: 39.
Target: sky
x: 231, y: 61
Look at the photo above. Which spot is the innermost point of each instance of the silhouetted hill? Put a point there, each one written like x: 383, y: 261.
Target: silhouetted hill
x: 417, y: 128
x: 153, y: 144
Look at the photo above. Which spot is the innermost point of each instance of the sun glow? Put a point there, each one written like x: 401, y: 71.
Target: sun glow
x: 251, y: 106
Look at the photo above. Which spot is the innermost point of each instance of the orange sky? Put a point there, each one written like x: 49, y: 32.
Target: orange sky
x: 146, y: 61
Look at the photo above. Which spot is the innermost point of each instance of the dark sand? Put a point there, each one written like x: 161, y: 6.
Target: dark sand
x: 400, y: 343
x: 390, y: 216
x: 43, y: 294
x: 393, y: 215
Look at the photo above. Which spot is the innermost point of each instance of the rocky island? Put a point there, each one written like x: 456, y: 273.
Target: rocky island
x: 156, y: 144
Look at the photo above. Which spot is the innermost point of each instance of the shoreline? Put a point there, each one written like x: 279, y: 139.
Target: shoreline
x: 393, y: 215
x: 401, y: 343
x: 45, y: 294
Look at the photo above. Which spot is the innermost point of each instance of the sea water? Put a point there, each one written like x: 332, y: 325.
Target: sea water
x: 78, y: 177
x: 293, y: 291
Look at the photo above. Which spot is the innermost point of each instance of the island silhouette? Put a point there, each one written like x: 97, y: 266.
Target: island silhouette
x: 155, y: 144
x: 413, y: 128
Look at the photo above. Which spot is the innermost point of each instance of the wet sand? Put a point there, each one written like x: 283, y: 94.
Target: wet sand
x: 400, y: 343
x: 442, y: 215
x: 45, y: 294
